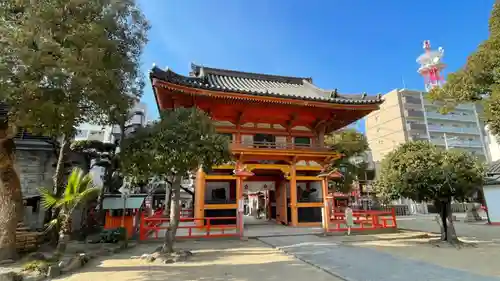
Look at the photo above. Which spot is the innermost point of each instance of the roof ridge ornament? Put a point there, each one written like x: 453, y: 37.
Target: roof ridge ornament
x: 334, y: 94
x: 364, y: 95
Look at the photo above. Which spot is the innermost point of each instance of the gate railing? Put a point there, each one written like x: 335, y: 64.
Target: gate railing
x: 188, y: 227
x: 362, y: 220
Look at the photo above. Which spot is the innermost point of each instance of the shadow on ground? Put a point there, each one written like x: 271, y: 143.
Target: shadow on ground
x: 212, y: 261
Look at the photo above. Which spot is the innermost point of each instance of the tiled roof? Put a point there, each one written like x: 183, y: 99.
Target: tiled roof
x: 259, y: 84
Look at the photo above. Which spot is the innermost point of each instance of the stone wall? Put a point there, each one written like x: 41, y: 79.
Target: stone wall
x: 35, y: 169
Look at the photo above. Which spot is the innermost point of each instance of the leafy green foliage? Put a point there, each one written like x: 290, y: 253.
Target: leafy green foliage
x: 113, y: 235
x: 478, y: 79
x: 348, y: 142
x: 68, y: 62
x: 423, y: 172
x: 103, y: 155
x: 352, y: 144
x: 178, y: 143
x: 92, y: 146
x: 78, y: 190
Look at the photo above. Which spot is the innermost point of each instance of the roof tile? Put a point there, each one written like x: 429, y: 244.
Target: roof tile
x: 259, y: 84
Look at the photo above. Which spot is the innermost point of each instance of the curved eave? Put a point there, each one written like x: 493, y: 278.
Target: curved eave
x: 263, y: 97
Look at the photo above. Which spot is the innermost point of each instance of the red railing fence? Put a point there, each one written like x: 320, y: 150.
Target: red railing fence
x: 363, y: 219
x: 150, y: 227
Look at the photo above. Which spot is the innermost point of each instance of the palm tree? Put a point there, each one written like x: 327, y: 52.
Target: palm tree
x: 79, y: 189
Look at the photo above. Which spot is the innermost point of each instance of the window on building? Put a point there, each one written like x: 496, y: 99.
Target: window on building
x: 302, y: 141
x: 96, y: 135
x: 263, y: 140
x: 81, y: 134
x: 380, y: 141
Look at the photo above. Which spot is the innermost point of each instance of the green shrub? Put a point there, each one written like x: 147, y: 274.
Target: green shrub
x: 37, y: 265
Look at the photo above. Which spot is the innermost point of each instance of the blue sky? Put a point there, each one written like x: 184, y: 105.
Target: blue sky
x: 353, y: 45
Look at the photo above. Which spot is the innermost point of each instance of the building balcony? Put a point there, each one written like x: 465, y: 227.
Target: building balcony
x: 412, y: 100
x: 458, y: 144
x: 458, y: 106
x: 280, y: 148
x: 414, y: 113
x: 461, y: 130
x: 457, y: 117
x: 419, y: 138
x: 417, y: 127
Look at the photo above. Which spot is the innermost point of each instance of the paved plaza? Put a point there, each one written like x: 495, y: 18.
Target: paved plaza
x: 364, y: 264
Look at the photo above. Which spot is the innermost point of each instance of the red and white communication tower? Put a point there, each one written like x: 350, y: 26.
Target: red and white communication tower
x: 431, y: 66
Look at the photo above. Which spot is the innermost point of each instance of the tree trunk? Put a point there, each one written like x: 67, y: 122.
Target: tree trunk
x: 122, y: 134
x: 106, y: 187
x: 168, y: 201
x: 8, y: 225
x: 451, y: 234
x: 443, y: 209
x: 11, y: 202
x: 168, y: 246
x: 58, y: 182
x: 60, y: 172
x: 448, y: 232
x: 63, y: 235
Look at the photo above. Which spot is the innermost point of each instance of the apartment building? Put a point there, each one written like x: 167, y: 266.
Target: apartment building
x: 89, y: 131
x: 111, y: 133
x: 406, y: 115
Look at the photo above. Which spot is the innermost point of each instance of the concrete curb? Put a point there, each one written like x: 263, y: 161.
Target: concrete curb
x: 334, y: 274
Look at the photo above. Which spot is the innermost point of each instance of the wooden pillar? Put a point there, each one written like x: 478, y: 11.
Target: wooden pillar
x: 326, y: 211
x: 239, y: 188
x: 321, y: 136
x: 199, y: 204
x: 239, y: 180
x: 238, y: 134
x: 293, y: 196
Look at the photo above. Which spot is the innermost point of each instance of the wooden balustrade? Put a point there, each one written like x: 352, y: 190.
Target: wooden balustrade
x: 278, y: 145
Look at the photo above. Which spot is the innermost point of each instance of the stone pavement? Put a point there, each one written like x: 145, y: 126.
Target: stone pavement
x: 362, y: 264
x: 480, y: 230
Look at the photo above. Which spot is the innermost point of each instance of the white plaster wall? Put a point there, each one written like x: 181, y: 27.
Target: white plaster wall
x: 211, y: 185
x: 492, y: 196
x: 493, y: 146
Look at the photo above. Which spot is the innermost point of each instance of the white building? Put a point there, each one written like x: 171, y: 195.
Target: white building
x: 493, y: 146
x: 407, y: 115
x: 89, y: 131
x: 110, y: 133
